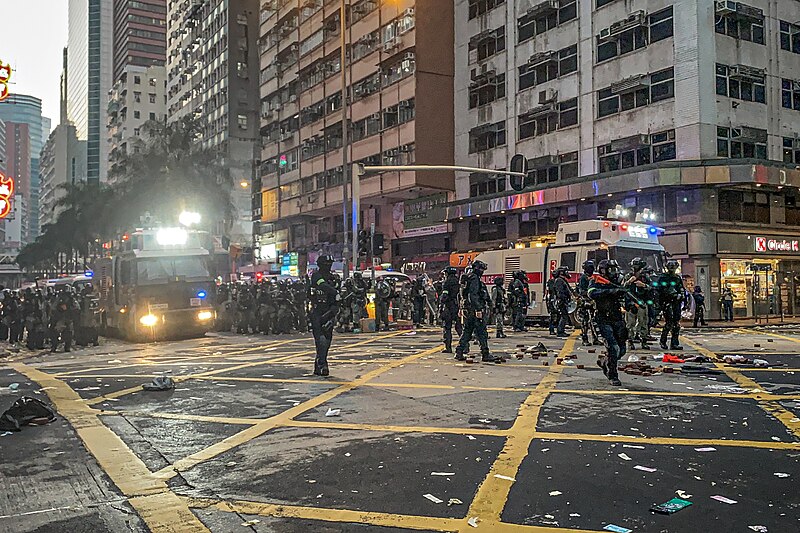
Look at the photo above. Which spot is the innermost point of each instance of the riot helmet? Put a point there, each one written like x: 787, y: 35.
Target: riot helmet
x: 609, y: 269
x: 637, y: 263
x: 325, y: 262
x: 672, y: 266
x: 588, y: 267
x: 449, y: 271
x: 498, y: 281
x: 479, y: 267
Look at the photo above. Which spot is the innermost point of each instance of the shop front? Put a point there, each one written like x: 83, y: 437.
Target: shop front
x: 762, y: 271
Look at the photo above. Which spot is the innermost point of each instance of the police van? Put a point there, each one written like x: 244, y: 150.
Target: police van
x: 574, y: 243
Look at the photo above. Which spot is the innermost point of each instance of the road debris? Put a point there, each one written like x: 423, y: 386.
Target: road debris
x: 251, y: 522
x: 706, y: 449
x: 26, y: 411
x: 160, y: 383
x: 473, y: 522
x: 507, y: 478
x: 758, y: 529
x: 333, y: 412
x: 672, y: 506
x: 723, y: 499
x: 644, y: 468
x: 781, y: 474
x: 454, y: 501
x: 432, y: 498
x: 14, y: 386
x: 682, y: 494
x: 617, y: 529
x: 624, y: 456
x: 555, y: 493
x: 443, y: 474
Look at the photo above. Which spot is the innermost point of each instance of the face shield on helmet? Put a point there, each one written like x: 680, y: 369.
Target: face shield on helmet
x: 588, y: 267
x: 479, y: 267
x: 672, y: 266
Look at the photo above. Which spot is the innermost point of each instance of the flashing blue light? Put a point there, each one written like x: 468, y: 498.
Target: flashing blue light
x: 201, y: 294
x: 89, y: 274
x: 652, y: 230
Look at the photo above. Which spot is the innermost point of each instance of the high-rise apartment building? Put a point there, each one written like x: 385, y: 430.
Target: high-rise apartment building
x: 140, y: 34
x: 25, y: 109
x: 140, y: 77
x: 89, y: 77
x: 212, y: 74
x: 18, y: 163
x: 63, y: 162
x: 690, y: 109
x: 399, y: 76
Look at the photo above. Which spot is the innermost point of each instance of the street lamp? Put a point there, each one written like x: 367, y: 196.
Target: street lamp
x: 189, y: 218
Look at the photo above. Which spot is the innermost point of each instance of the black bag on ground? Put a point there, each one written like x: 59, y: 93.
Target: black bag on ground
x: 24, y: 411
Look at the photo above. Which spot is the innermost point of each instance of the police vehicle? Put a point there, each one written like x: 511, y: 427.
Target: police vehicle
x: 574, y: 243
x: 156, y: 285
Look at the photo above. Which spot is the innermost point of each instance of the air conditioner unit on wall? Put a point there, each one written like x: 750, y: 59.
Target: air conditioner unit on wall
x: 634, y: 20
x: 631, y: 84
x: 547, y: 96
x: 724, y: 7
x: 746, y: 72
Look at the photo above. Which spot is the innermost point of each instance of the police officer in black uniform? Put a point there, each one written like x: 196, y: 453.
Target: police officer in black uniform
x: 609, y: 295
x: 586, y: 304
x: 475, y: 307
x: 324, y: 308
x: 448, y: 307
x: 669, y: 287
x: 519, y: 299
x: 562, y: 295
x: 499, y: 306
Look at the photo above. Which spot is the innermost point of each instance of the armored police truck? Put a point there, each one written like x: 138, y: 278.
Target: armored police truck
x: 156, y: 285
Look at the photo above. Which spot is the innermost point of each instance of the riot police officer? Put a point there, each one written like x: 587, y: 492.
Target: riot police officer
x: 519, y: 299
x: 475, y: 306
x: 562, y: 295
x: 636, y: 316
x: 324, y: 307
x: 62, y: 321
x: 609, y: 295
x: 448, y: 308
x: 384, y: 294
x: 669, y: 286
x: 586, y: 304
x: 499, y: 306
x: 418, y: 298
x: 358, y: 301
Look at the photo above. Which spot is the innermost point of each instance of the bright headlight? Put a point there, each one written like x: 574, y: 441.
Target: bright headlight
x: 205, y: 315
x: 149, y: 320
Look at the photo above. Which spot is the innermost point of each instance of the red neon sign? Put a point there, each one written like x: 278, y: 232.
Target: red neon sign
x: 5, y: 77
x: 6, y: 193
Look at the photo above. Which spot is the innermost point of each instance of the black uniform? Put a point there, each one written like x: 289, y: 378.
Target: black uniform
x: 609, y: 298
x: 448, y: 309
x: 418, y: 298
x: 62, y: 322
x: 324, y: 307
x: 384, y: 294
x: 586, y: 305
x: 476, y: 303
x: 499, y: 306
x: 562, y: 295
x: 519, y: 300
x: 670, y: 297
x: 699, y: 307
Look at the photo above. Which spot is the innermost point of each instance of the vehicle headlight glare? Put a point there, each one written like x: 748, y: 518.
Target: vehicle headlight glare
x: 205, y: 315
x: 149, y: 320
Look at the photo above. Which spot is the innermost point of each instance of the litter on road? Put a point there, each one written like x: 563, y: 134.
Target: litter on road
x: 672, y: 506
x: 445, y: 474
x: 333, y: 412
x: 617, y: 529
x: 432, y: 498
x: 723, y: 499
x: 644, y: 468
x: 160, y: 383
x: 507, y: 478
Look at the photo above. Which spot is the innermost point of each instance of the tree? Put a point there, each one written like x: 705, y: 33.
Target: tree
x: 167, y: 172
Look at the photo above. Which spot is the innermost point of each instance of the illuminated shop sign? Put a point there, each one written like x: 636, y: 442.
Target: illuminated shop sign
x: 764, y: 244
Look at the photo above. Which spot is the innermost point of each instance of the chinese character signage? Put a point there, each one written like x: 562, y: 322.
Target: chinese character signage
x: 6, y: 193
x: 5, y: 77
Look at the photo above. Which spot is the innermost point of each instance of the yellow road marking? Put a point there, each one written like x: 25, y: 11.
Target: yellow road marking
x: 186, y: 417
x: 396, y: 429
x: 671, y: 441
x: 159, y: 507
x: 776, y: 335
x: 786, y: 417
x: 274, y: 421
x: 425, y: 523
x: 493, y: 493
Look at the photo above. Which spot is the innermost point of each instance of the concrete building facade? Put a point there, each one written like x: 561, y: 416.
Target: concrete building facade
x: 399, y: 78
x: 212, y: 74
x: 140, y: 34
x: 89, y: 77
x: 687, y: 108
x: 63, y: 161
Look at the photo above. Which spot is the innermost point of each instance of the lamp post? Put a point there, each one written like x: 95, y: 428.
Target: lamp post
x: 345, y: 141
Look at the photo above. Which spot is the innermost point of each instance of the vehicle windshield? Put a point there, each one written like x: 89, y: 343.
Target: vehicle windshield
x: 655, y: 258
x: 166, y: 269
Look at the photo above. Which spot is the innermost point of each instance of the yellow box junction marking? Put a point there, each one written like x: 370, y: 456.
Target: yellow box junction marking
x: 158, y: 507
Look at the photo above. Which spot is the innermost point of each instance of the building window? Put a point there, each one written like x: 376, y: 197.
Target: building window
x: 637, y: 151
x: 487, y: 229
x: 742, y: 83
x: 484, y: 46
x: 791, y: 150
x: 487, y: 136
x: 137, y: 114
x: 543, y: 67
x: 550, y: 169
x: 601, y: 3
x: 633, y: 93
x: 487, y: 90
x: 790, y: 37
x: 136, y: 131
x: 749, y: 27
x: 242, y: 121
x: 485, y: 184
x: 152, y: 116
x: 548, y: 118
x: 742, y: 143
x: 534, y: 23
x: 152, y: 98
x: 137, y: 97
x: 137, y: 80
x: 656, y: 27
x: 790, y: 94
x: 743, y: 206
x: 479, y: 7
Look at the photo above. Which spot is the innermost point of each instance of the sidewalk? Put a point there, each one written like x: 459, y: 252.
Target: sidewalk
x: 747, y: 322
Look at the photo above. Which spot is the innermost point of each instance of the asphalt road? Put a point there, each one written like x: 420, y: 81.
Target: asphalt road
x: 402, y: 438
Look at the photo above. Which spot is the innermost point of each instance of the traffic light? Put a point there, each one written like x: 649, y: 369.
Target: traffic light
x: 519, y: 164
x: 283, y: 161
x: 363, y: 242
